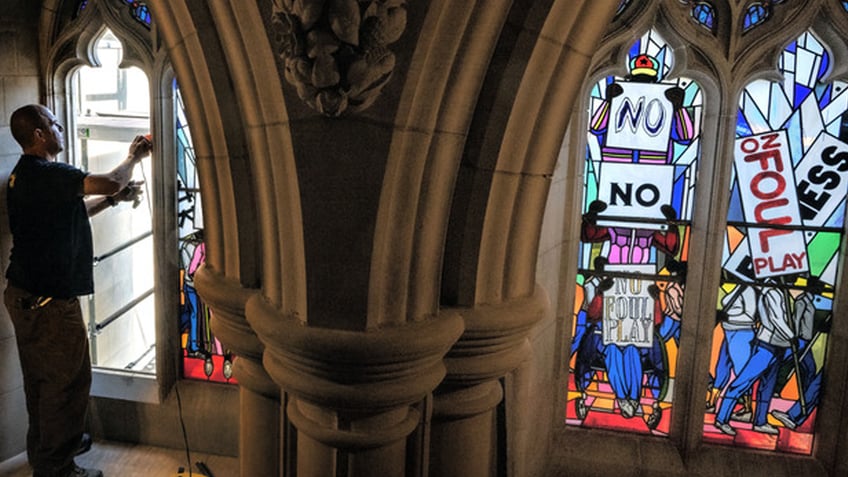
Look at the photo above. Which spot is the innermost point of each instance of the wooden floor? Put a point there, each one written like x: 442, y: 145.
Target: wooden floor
x: 126, y: 460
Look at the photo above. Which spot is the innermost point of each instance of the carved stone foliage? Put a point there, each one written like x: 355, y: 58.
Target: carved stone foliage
x: 336, y: 52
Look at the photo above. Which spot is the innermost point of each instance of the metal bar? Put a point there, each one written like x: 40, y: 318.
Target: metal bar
x: 776, y: 285
x: 795, y: 227
x: 122, y: 247
x: 132, y: 364
x: 750, y: 225
x: 123, y: 310
x: 639, y: 220
x: 633, y: 275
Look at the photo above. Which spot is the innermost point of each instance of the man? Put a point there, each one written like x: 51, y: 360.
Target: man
x: 50, y: 266
x: 809, y: 375
x: 588, y: 341
x: 779, y: 330
x: 738, y: 318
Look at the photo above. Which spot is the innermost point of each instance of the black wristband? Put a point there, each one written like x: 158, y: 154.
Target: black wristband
x: 111, y: 201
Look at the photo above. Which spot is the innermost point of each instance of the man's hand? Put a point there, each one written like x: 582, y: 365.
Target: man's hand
x: 669, y: 212
x: 595, y: 208
x: 132, y: 192
x: 676, y: 96
x: 140, y: 148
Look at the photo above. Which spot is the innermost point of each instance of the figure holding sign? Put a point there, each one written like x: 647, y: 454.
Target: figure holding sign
x: 642, y: 118
x: 638, y: 125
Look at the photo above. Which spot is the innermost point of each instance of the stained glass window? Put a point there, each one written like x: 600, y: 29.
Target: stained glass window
x: 758, y: 12
x: 139, y: 11
x: 640, y: 172
x: 704, y: 14
x: 780, y: 257
x: 203, y: 355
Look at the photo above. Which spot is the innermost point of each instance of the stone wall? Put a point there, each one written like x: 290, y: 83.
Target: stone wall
x: 18, y: 86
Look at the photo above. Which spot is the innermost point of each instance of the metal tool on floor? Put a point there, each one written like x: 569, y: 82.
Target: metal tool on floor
x: 203, y: 471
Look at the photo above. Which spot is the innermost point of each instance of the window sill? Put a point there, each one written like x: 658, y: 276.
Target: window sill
x: 125, y: 385
x: 575, y: 450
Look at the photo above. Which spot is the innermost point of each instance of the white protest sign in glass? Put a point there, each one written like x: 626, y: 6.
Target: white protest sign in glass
x: 821, y: 185
x: 767, y: 189
x: 629, y: 308
x: 640, y: 117
x: 635, y: 191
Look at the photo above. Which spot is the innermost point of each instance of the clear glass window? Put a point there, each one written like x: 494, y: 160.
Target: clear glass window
x: 110, y: 105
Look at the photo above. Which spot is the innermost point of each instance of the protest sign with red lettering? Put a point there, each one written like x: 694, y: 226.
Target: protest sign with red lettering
x: 767, y: 189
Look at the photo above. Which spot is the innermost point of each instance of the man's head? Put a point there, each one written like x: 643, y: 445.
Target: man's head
x: 644, y: 69
x: 37, y: 131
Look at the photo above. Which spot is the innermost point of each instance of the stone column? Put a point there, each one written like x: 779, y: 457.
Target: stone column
x: 355, y: 396
x: 259, y: 404
x: 466, y: 428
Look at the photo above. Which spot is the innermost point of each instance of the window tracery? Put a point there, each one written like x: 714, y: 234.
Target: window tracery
x: 140, y: 12
x: 704, y: 14
x: 758, y: 13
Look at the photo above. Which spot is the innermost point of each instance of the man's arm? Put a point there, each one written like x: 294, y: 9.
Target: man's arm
x: 130, y: 193
x: 117, y: 179
x: 774, y: 303
x: 95, y: 205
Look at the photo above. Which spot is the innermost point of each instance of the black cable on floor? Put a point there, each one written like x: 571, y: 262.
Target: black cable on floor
x: 182, y: 425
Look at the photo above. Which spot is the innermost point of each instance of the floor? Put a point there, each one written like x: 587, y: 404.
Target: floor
x: 117, y: 459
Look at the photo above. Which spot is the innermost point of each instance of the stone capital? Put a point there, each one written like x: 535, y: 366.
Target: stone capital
x: 354, y: 371
x: 495, y: 339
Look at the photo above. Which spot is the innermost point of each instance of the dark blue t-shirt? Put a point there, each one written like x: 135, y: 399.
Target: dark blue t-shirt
x: 52, y: 249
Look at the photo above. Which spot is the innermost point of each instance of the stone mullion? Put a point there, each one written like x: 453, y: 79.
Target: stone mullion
x: 465, y: 427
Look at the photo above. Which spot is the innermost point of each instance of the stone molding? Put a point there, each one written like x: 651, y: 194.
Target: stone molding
x: 354, y: 371
x: 495, y: 339
x: 227, y: 299
x: 470, y: 401
x: 353, y: 440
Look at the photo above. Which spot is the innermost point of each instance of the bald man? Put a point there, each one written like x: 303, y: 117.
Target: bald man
x: 49, y: 204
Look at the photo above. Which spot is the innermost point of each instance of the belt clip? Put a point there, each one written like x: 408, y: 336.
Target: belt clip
x: 40, y: 301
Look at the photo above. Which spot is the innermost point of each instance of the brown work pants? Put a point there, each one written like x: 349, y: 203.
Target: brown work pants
x: 53, y: 348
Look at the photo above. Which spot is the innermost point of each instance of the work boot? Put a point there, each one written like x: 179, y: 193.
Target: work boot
x: 85, y: 443
x: 78, y: 471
